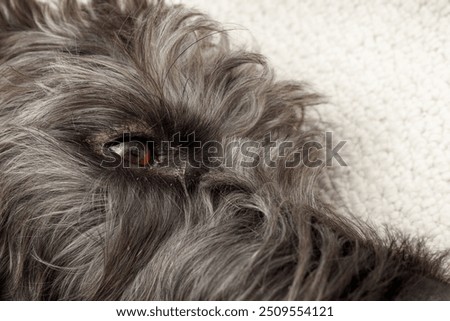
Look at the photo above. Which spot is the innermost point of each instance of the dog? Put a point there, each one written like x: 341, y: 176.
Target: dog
x: 115, y: 183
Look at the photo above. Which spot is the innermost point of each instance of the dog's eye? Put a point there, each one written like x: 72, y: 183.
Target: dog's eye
x: 133, y: 151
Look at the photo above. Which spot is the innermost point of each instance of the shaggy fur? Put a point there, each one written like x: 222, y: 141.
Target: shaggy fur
x: 75, y: 77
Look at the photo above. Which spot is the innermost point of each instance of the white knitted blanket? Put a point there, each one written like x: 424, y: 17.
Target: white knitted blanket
x: 385, y: 66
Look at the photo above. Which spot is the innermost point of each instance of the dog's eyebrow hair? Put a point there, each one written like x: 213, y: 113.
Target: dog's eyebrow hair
x: 246, y: 226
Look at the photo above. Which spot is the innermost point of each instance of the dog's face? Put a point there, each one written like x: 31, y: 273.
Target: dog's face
x: 113, y: 120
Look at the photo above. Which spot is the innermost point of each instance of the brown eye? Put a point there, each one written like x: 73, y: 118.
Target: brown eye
x: 133, y: 151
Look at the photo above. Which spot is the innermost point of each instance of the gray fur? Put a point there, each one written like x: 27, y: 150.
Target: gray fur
x: 76, y: 76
